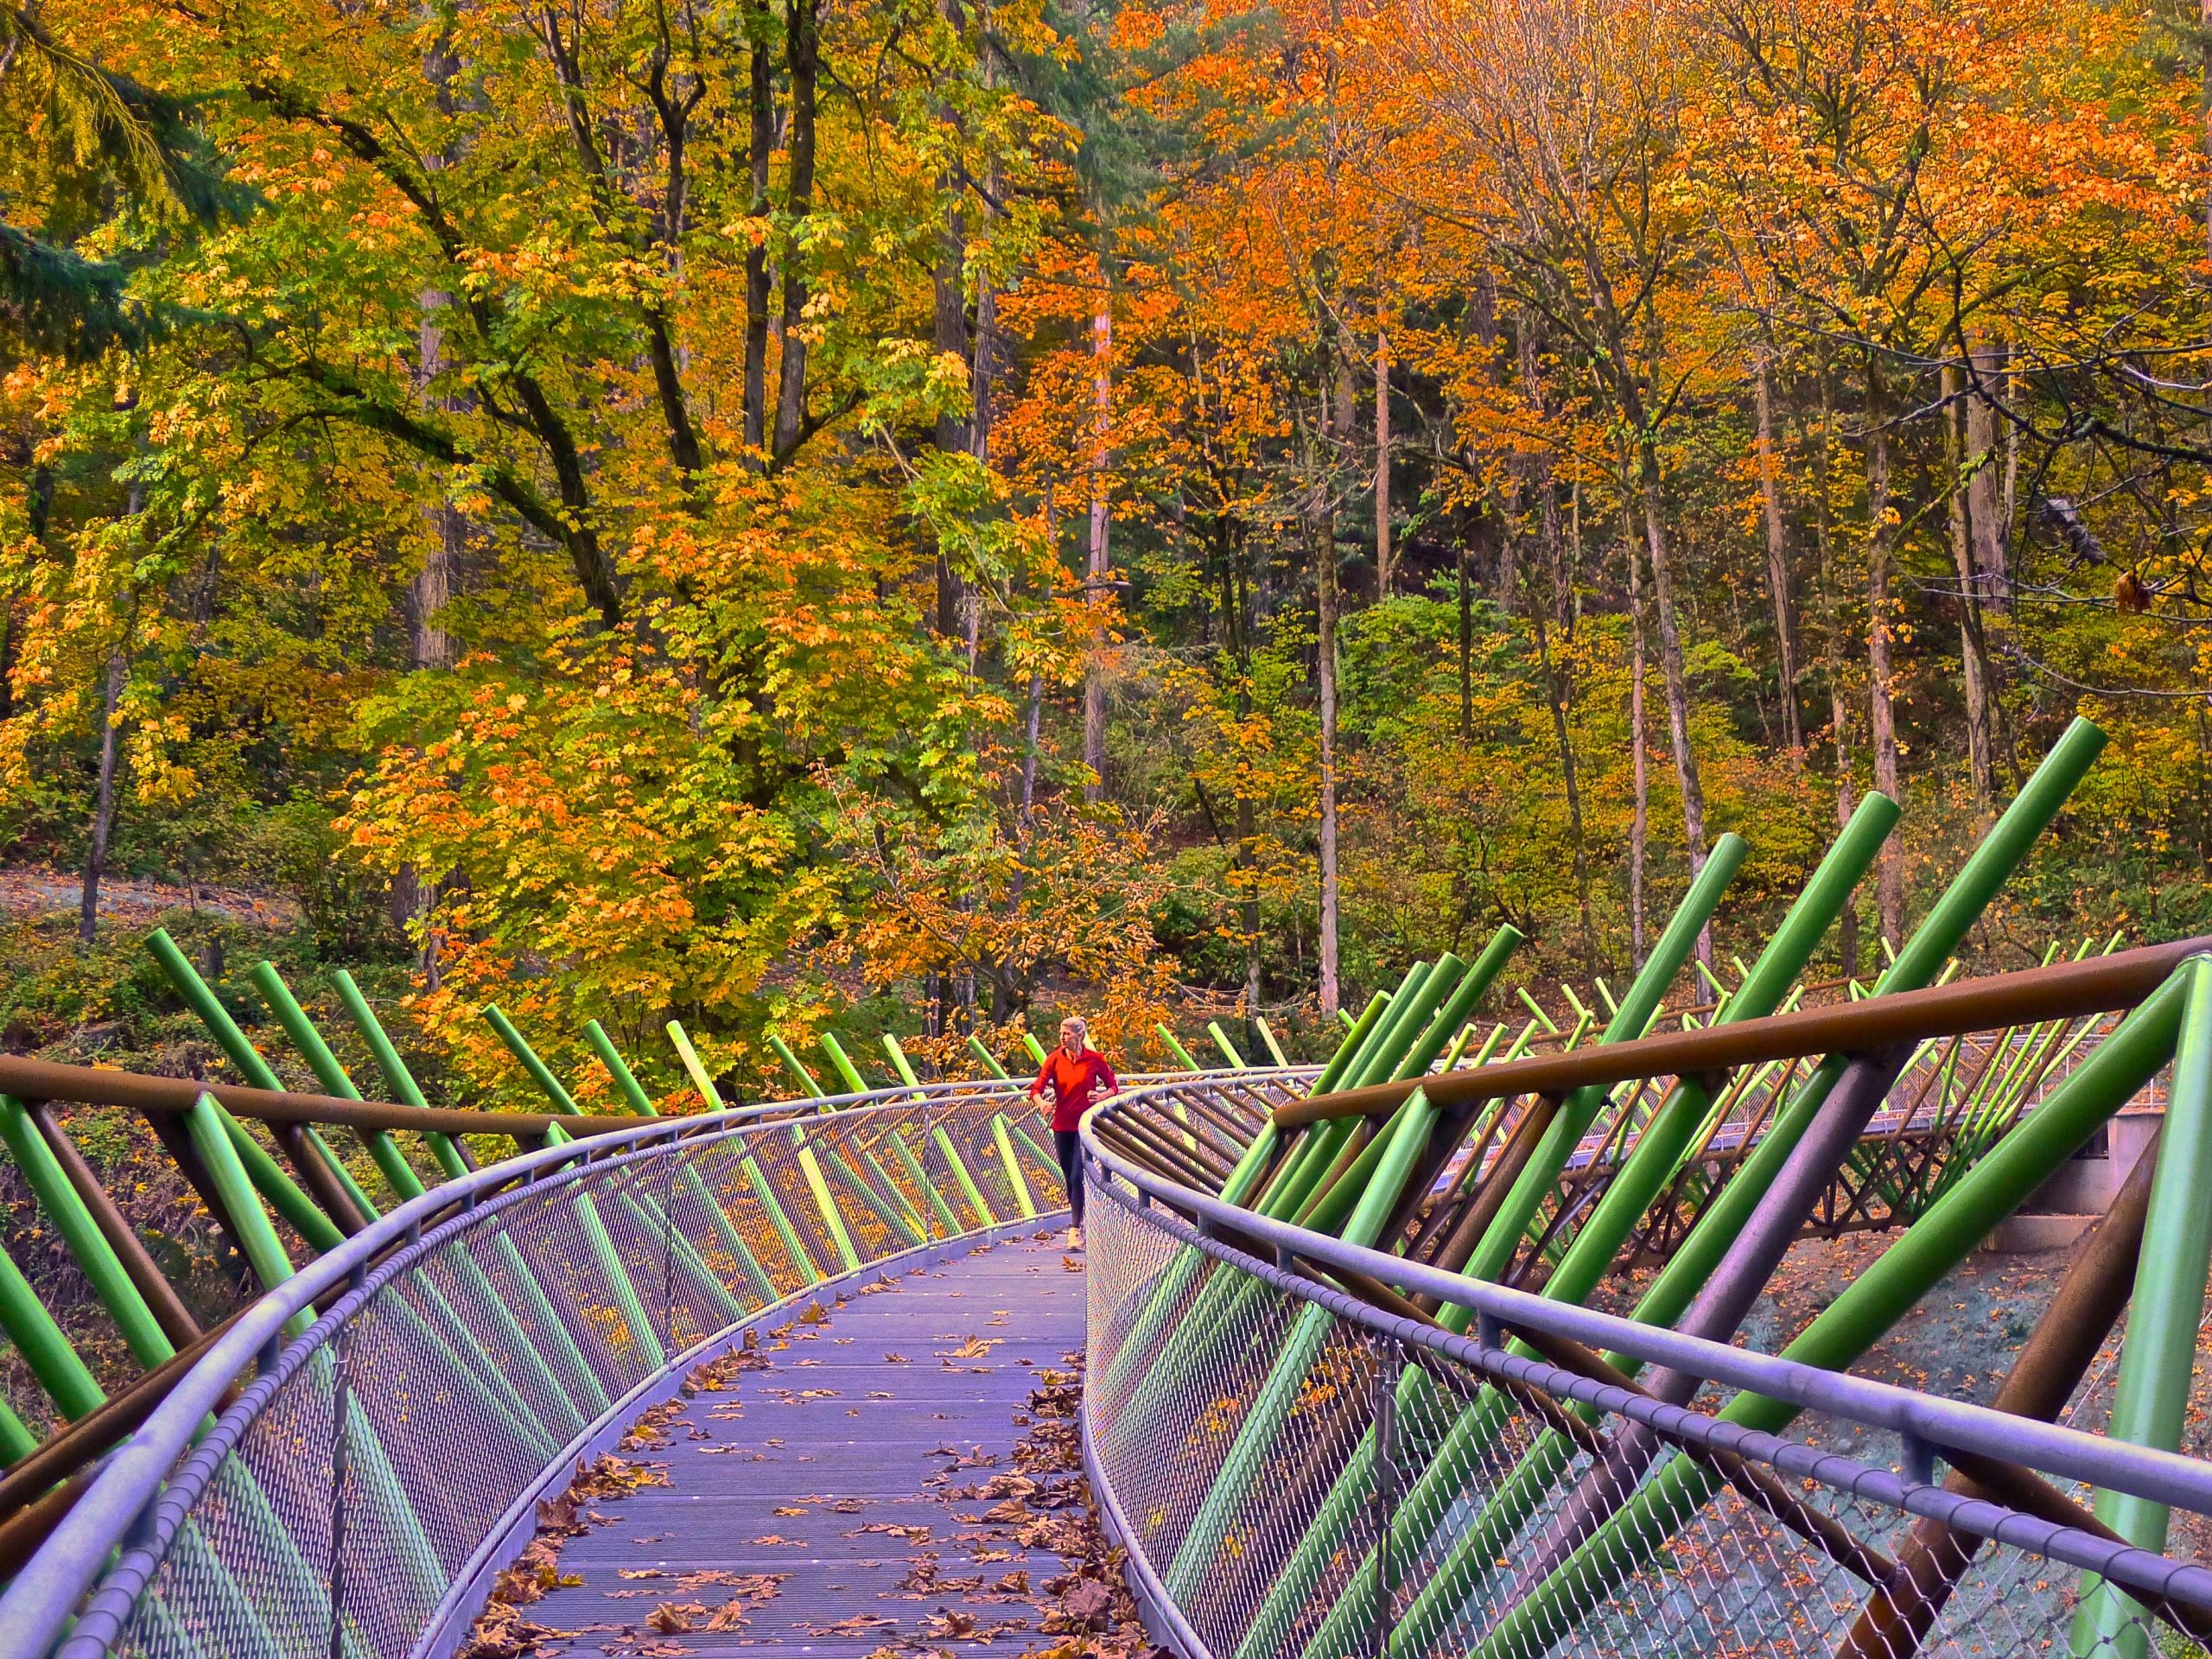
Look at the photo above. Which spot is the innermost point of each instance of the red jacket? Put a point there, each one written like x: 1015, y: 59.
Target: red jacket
x: 1075, y: 1083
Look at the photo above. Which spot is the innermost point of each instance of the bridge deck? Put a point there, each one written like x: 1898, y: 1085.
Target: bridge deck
x: 833, y: 1428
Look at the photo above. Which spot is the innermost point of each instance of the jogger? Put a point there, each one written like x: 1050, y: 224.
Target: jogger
x: 1078, y: 1074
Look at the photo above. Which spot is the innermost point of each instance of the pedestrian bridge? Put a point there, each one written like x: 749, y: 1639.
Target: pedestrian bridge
x: 1431, y: 1349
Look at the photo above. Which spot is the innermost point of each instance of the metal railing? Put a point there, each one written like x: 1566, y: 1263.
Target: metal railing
x: 1413, y: 1490
x: 406, y: 1396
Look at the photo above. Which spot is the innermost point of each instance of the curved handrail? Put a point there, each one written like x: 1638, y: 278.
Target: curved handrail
x: 2163, y: 1477
x: 37, y: 1606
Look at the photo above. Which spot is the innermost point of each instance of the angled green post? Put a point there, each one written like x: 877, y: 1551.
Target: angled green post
x: 68, y: 1382
x: 1221, y: 1042
x: 960, y: 1173
x: 306, y: 1216
x: 389, y: 1161
x: 1026, y: 1204
x: 782, y: 1222
x: 540, y: 1073
x: 990, y: 1064
x: 920, y: 1178
x: 626, y: 1081
x: 1267, y: 1036
x: 1183, y: 1057
x: 88, y: 1246
x: 264, y: 1251
x: 396, y: 1074
x: 841, y: 1063
x: 2158, y: 1361
x: 795, y: 1066
x: 1038, y: 1051
x: 899, y: 1063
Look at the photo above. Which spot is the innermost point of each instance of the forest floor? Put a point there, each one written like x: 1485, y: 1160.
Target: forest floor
x: 31, y: 892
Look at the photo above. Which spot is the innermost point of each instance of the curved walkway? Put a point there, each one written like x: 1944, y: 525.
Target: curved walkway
x: 889, y: 1472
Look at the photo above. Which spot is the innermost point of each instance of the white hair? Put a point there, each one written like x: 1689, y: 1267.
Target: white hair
x: 1074, y: 1023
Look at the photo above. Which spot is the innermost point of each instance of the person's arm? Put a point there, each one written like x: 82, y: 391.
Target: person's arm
x: 1037, y: 1089
x: 1113, y: 1083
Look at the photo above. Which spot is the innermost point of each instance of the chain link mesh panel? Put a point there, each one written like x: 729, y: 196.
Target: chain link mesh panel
x: 1305, y: 1480
x: 337, y: 1505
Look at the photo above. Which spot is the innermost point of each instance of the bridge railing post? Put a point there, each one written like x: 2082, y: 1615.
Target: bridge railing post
x: 1389, y: 1361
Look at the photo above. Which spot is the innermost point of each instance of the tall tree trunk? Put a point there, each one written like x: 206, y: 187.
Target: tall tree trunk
x: 1466, y: 645
x: 88, y: 912
x: 1777, y: 563
x: 1094, y: 684
x: 1980, y: 763
x: 950, y: 330
x: 1676, y: 679
x: 1989, y: 494
x: 760, y: 146
x: 1321, y: 534
x: 1880, y: 668
x: 1385, y: 554
x: 802, y: 56
x: 1639, y: 750
x: 1831, y: 646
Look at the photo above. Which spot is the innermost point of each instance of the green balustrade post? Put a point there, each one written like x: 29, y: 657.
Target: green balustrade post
x: 1182, y: 1056
x: 900, y: 1064
x: 1221, y: 1042
x: 1267, y: 1036
x: 389, y: 1161
x: 68, y: 1381
x: 396, y: 1074
x: 990, y: 1064
x: 142, y: 1333
x: 626, y: 1081
x: 2158, y: 1361
x: 762, y: 1191
x: 796, y: 1067
x: 841, y: 1063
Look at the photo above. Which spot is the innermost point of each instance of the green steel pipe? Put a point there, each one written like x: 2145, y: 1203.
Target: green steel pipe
x: 306, y: 1216
x: 2158, y: 1361
x: 17, y: 1441
x: 396, y: 1074
x: 764, y: 1193
x: 1038, y: 1051
x: 843, y: 1067
x: 920, y: 1178
x: 1572, y: 1120
x: 626, y: 1081
x: 795, y: 1066
x: 912, y: 1223
x: 263, y: 1250
x: 1415, y: 1000
x: 1221, y: 1042
x: 1858, y: 1318
x: 1271, y: 1406
x: 1182, y: 1056
x: 64, y: 1376
x: 960, y: 1173
x: 1458, y: 1007
x: 889, y: 1214
x: 618, y: 1283
x: 899, y: 1061
x: 1423, y: 1501
x: 540, y: 1073
x: 1267, y: 1036
x: 832, y: 1219
x: 88, y: 1246
x: 389, y: 1160
x: 990, y: 1064
x: 1026, y: 1204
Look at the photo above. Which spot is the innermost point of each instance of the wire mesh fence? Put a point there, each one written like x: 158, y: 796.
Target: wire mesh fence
x: 1303, y: 1476
x: 352, y: 1495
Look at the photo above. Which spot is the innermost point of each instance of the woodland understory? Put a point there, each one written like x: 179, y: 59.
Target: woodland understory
x: 924, y: 515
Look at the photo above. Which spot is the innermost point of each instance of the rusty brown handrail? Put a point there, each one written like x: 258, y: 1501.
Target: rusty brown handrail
x: 86, y: 1085
x: 2064, y: 991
